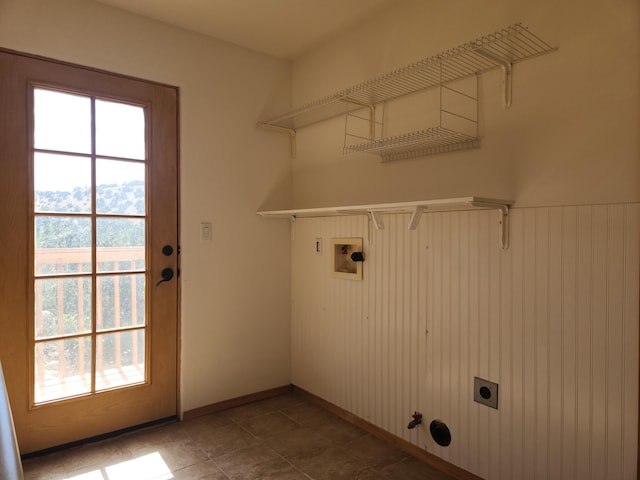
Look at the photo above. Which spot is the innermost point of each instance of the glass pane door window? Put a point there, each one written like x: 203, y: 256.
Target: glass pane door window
x: 89, y: 235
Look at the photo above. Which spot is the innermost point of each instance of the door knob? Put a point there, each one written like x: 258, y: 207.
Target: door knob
x: 166, y: 274
x: 167, y: 250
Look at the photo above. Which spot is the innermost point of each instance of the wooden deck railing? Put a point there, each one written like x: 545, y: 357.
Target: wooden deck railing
x: 116, y: 262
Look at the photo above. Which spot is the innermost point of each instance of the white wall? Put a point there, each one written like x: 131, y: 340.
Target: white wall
x: 235, y: 290
x: 553, y: 320
x: 570, y: 137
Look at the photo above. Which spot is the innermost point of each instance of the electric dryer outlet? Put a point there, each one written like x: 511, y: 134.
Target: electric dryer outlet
x: 485, y: 392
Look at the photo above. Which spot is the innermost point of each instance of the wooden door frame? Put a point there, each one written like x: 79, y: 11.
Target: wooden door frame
x: 15, y: 215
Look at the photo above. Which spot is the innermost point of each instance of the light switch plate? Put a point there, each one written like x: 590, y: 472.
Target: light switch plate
x: 205, y: 232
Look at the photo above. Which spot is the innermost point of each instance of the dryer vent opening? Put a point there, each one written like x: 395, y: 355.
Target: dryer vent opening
x: 440, y: 433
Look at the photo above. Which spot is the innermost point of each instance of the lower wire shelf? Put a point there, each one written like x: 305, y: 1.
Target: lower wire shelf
x: 423, y: 142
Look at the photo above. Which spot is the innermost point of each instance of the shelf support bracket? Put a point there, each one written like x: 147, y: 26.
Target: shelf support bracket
x: 504, y: 219
x: 415, y: 217
x: 372, y: 114
x: 507, y: 73
x: 290, y: 131
x: 292, y: 219
x: 377, y: 221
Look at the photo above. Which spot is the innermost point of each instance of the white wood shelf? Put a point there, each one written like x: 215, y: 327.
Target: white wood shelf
x: 374, y: 211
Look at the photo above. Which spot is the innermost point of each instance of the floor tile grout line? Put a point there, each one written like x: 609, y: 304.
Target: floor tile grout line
x: 293, y: 420
x: 220, y: 468
x: 291, y: 463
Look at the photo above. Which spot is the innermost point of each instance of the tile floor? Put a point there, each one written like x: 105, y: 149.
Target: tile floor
x: 285, y: 437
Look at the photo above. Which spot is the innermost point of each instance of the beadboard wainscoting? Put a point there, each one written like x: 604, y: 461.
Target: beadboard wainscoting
x: 553, y: 320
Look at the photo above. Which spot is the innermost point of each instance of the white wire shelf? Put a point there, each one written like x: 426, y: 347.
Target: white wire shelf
x: 424, y: 142
x: 510, y: 45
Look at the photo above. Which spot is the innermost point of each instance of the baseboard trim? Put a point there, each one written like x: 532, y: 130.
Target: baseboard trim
x: 413, y: 450
x: 235, y: 402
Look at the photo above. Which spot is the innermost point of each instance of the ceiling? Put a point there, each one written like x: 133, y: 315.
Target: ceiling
x: 283, y: 28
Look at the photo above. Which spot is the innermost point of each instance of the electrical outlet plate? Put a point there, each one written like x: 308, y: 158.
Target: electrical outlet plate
x: 485, y: 392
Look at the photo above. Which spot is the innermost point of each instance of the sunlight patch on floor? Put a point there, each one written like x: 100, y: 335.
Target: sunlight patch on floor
x: 147, y: 467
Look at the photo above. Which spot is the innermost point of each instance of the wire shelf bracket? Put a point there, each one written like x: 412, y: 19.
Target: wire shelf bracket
x: 507, y: 74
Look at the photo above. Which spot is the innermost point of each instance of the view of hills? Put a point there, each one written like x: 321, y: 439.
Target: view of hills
x: 126, y: 198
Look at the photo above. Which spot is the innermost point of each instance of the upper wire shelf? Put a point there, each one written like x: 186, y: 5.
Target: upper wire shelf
x: 512, y: 44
